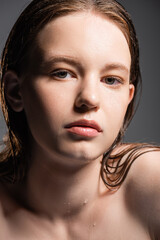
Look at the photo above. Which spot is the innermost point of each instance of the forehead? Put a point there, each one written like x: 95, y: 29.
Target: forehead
x: 84, y: 34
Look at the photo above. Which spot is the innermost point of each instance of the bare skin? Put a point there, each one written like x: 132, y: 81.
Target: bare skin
x: 129, y: 213
x: 64, y: 197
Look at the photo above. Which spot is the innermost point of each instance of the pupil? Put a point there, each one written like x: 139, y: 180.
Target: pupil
x: 110, y: 80
x: 63, y: 74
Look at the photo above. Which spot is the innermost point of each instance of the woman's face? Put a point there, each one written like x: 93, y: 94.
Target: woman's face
x: 76, y: 102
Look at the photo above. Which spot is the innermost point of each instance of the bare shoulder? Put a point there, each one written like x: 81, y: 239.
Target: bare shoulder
x: 142, y: 190
x: 146, y: 168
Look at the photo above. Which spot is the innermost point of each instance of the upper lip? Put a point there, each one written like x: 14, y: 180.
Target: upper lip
x: 85, y: 123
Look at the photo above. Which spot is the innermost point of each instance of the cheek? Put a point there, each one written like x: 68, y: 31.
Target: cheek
x: 56, y: 104
x: 115, y: 109
x: 44, y: 115
x: 46, y: 107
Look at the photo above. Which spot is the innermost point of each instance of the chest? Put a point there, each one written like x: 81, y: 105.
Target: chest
x: 107, y: 223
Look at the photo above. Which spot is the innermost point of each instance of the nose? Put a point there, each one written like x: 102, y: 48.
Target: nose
x: 88, y: 97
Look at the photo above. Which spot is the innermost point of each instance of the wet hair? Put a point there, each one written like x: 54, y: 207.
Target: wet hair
x: 16, y: 57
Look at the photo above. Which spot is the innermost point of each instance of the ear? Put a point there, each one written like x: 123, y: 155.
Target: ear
x: 12, y: 91
x: 131, y: 92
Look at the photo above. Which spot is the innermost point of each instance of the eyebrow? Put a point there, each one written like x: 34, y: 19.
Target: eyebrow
x: 65, y: 59
x: 116, y: 66
x: 74, y: 62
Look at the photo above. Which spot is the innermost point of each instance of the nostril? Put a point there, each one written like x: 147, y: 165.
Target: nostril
x: 81, y: 108
x: 87, y: 99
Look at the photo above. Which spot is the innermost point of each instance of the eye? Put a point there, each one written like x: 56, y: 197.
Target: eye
x: 112, y: 80
x: 61, y: 74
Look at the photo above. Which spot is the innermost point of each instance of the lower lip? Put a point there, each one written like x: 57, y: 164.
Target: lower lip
x: 83, y: 131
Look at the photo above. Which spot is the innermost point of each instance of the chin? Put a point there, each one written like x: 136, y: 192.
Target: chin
x: 82, y: 156
x: 80, y: 152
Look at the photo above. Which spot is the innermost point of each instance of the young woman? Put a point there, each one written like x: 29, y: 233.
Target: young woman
x: 70, y: 76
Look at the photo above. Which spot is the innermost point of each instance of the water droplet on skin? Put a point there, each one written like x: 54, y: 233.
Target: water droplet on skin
x: 85, y: 202
x: 94, y: 224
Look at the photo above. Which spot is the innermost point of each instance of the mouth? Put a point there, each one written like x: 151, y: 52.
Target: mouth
x: 86, y: 128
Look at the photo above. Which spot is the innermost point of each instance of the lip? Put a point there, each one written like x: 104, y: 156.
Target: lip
x: 83, y: 127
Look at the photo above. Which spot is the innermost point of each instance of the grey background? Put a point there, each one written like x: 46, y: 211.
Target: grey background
x: 146, y: 17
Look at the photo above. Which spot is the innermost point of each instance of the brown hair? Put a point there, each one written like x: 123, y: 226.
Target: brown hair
x: 15, y: 57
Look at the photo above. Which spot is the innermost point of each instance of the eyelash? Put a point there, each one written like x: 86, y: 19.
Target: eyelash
x: 114, y: 79
x: 59, y: 71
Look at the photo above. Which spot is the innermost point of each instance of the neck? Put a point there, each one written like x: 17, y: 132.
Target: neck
x: 57, y: 191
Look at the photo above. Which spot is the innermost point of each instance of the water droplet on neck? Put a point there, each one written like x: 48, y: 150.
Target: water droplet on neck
x: 94, y: 224
x: 85, y: 202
